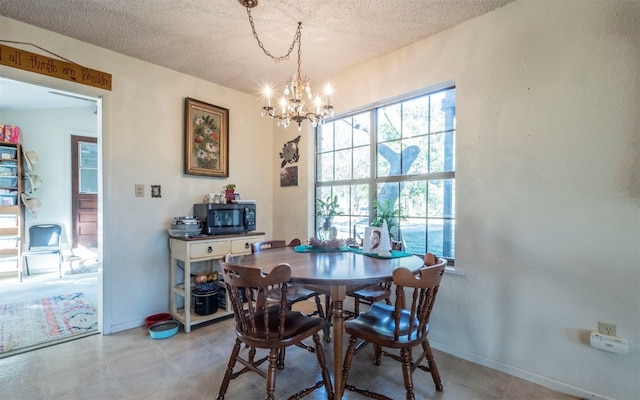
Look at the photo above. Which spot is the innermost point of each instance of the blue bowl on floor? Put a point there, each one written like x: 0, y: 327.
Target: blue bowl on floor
x: 164, y: 329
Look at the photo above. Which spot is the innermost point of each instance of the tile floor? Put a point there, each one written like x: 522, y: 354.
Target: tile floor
x: 130, y: 365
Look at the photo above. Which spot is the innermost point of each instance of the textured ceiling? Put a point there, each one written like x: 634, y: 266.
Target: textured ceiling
x: 212, y: 39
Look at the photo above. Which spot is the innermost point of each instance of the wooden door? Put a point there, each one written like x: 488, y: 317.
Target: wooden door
x: 84, y: 192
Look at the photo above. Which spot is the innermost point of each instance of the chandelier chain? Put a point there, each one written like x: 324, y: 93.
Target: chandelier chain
x: 296, y: 39
x: 299, y: 49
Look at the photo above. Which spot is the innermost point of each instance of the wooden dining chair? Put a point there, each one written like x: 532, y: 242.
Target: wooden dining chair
x: 402, y: 326
x: 372, y: 293
x: 273, y: 244
x: 261, y: 324
x: 296, y: 293
x: 380, y: 291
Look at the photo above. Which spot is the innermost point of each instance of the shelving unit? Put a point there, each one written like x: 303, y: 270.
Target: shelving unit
x: 11, y: 210
x: 191, y: 256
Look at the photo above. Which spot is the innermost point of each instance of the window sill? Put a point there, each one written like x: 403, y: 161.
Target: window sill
x: 453, y: 271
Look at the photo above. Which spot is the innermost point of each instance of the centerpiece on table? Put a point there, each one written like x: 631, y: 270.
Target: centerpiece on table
x: 328, y: 244
x: 326, y: 210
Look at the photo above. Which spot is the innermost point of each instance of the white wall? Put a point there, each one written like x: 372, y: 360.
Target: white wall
x: 547, y: 186
x: 143, y: 143
x: 293, y: 213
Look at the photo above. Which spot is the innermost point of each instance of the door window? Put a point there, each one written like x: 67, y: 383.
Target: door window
x: 88, y: 167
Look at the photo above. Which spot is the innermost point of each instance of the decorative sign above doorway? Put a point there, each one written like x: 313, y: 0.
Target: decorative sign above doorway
x: 44, y: 65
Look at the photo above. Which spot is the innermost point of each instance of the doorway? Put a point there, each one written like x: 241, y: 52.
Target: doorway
x: 51, y: 119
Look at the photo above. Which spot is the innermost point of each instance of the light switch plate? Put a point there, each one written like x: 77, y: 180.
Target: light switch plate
x: 139, y: 190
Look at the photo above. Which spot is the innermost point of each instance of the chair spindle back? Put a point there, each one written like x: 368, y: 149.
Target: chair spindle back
x: 415, y: 293
x: 255, y: 318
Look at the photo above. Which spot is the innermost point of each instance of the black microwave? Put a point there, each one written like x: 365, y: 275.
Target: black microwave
x: 218, y: 219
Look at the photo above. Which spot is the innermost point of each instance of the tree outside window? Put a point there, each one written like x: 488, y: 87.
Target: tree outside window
x: 400, y: 154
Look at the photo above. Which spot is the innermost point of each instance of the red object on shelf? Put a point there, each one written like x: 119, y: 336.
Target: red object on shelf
x: 152, y: 319
x: 229, y: 195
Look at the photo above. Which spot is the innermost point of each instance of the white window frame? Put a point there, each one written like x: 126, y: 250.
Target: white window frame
x: 325, y: 187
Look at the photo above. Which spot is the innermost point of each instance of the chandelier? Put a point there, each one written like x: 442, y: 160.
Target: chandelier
x: 297, y: 102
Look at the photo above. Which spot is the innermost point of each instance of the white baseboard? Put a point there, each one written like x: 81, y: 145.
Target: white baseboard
x: 124, y: 326
x: 517, y: 372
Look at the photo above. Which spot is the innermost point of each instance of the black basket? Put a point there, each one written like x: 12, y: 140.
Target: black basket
x: 205, y: 302
x: 222, y: 296
x: 207, y: 286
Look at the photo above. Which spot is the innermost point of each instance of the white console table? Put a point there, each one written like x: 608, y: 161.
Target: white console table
x: 201, y: 255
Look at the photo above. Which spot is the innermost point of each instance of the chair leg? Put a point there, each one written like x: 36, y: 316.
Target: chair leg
x: 405, y: 356
x: 321, y: 314
x: 227, y: 375
x: 426, y: 347
x: 377, y: 351
x: 26, y: 264
x: 281, y: 354
x: 271, y: 374
x: 252, y: 355
x: 322, y: 361
x: 328, y: 313
x: 348, y: 359
x: 60, y: 265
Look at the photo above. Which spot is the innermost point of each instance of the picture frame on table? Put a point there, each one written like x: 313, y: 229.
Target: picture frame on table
x: 206, y: 141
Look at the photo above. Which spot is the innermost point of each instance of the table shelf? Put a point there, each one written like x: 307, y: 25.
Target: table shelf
x: 195, y: 319
x: 201, y: 254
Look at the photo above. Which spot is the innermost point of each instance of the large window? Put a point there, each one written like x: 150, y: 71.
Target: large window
x: 401, y: 155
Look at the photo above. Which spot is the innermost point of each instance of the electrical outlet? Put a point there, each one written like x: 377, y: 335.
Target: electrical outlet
x: 139, y: 190
x: 607, y: 329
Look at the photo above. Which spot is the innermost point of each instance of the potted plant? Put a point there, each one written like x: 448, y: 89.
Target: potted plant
x: 327, y: 209
x: 386, y: 211
x: 229, y: 190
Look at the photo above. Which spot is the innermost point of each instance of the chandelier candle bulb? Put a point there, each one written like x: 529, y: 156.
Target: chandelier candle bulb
x: 267, y: 94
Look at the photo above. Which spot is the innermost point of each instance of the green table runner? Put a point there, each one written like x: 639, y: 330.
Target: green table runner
x: 309, y: 249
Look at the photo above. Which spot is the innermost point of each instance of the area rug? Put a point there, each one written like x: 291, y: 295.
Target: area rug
x: 30, y: 324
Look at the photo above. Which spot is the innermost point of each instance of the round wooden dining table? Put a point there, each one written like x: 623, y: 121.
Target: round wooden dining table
x: 334, y: 273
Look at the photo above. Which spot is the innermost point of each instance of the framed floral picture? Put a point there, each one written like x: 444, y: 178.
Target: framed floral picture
x: 206, y: 139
